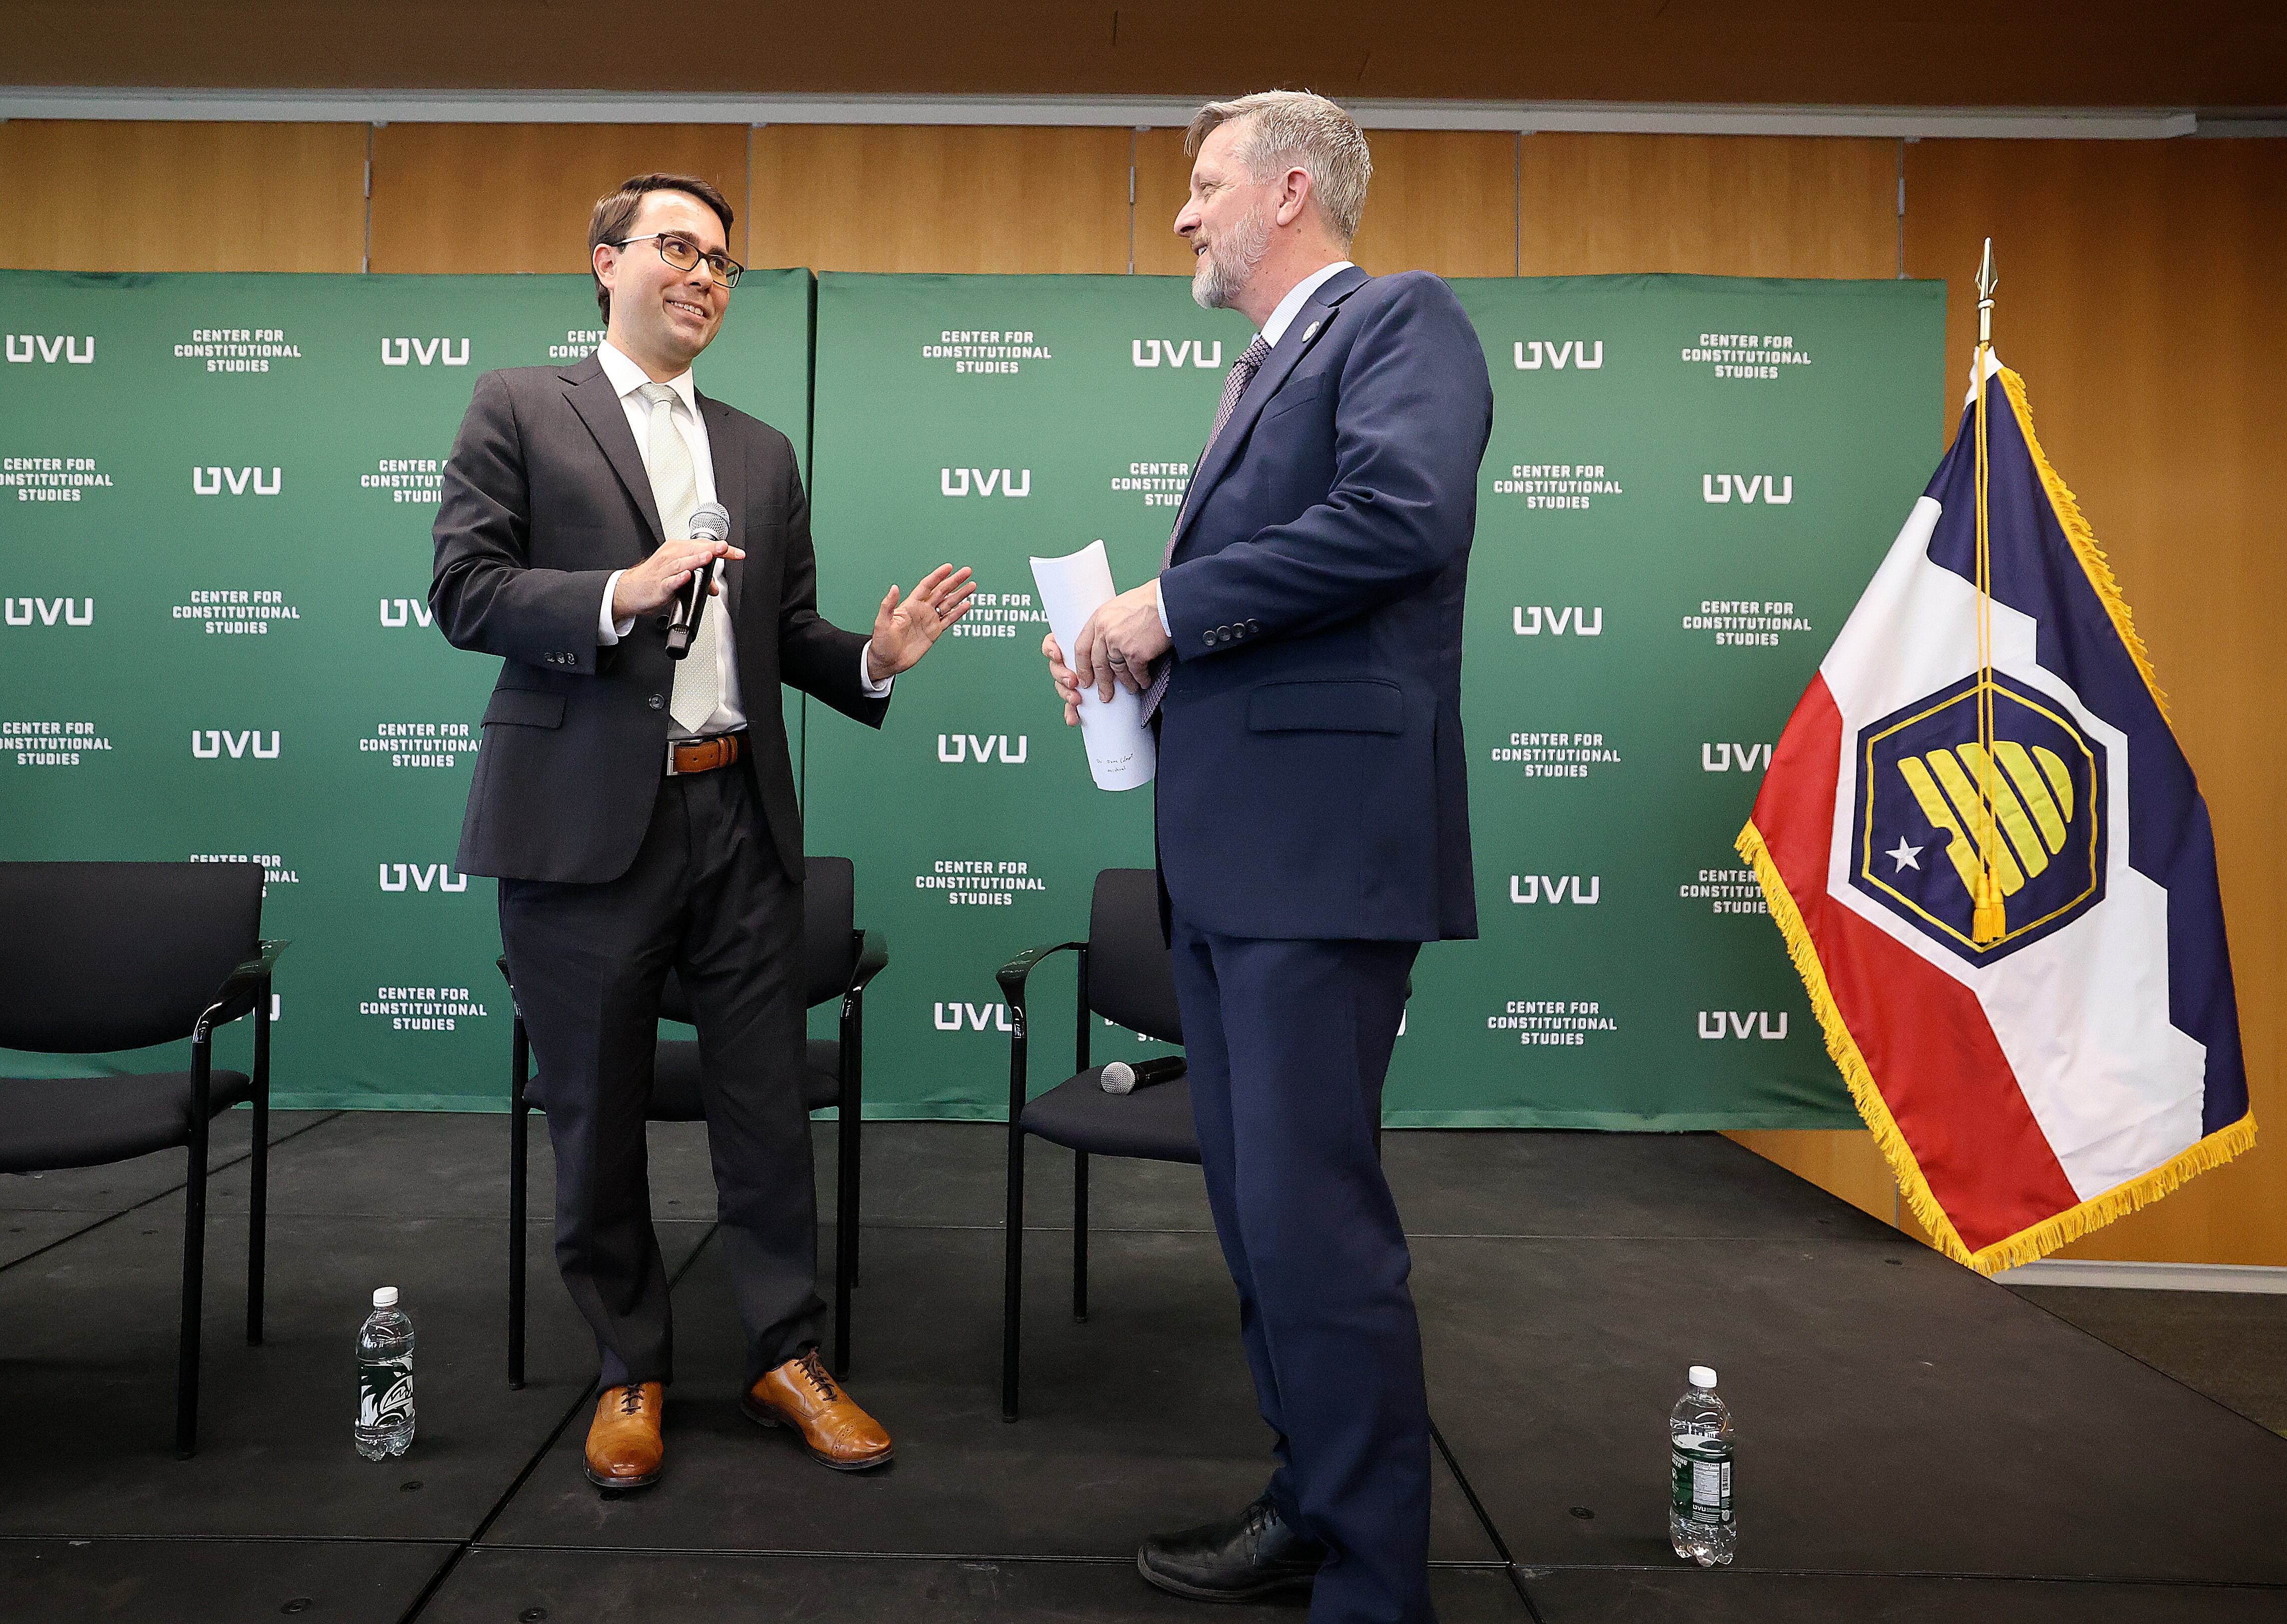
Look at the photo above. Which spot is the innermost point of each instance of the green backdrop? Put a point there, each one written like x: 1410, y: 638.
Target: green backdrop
x: 1690, y: 480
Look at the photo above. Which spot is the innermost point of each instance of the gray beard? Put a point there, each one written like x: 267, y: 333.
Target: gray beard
x: 1224, y: 268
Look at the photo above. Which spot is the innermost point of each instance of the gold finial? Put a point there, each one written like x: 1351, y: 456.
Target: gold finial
x: 1986, y: 282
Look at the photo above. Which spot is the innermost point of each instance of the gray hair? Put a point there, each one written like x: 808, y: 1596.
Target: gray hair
x: 1296, y: 129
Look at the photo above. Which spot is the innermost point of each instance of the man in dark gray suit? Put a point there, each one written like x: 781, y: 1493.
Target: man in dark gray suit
x: 640, y: 811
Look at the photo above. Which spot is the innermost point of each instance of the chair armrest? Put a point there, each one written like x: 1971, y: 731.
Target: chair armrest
x: 1011, y: 975
x: 873, y: 958
x: 244, y: 984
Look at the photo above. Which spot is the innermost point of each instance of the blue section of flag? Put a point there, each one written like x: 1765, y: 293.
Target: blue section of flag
x: 2036, y: 571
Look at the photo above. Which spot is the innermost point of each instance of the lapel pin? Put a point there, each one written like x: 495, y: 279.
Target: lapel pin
x: 1310, y: 332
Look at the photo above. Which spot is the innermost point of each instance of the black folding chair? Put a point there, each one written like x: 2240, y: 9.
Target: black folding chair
x: 839, y: 959
x: 1125, y: 977
x: 101, y: 957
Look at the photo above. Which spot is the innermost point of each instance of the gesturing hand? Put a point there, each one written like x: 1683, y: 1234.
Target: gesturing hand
x: 903, y: 631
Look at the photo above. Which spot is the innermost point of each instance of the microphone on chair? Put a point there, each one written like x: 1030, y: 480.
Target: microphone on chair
x: 1121, y: 1078
x: 710, y: 522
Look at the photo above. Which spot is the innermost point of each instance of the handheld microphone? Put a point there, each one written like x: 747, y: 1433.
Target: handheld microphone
x: 710, y: 522
x: 1121, y: 1078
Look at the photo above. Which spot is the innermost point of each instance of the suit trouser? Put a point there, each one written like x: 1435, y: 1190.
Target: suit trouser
x: 1287, y: 1044
x: 707, y: 895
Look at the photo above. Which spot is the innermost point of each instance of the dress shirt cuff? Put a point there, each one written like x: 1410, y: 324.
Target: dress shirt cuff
x: 873, y: 690
x: 609, y: 631
x: 1160, y: 602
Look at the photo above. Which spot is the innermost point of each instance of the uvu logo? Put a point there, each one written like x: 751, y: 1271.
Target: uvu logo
x: 1148, y: 352
x: 412, y: 609
x: 1741, y: 1023
x: 1531, y: 619
x: 208, y: 744
x: 1534, y: 354
x: 420, y: 876
x: 950, y: 1017
x: 1722, y: 757
x: 421, y: 351
x: 1776, y: 490
x: 984, y: 480
x: 41, y: 346
x: 47, y: 611
x: 210, y: 481
x: 970, y: 748
x: 1552, y: 887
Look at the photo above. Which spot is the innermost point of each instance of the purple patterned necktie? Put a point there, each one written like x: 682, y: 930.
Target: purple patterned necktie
x: 1242, y: 374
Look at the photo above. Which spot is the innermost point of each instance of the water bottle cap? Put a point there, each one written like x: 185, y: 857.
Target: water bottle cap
x: 385, y: 1297
x: 1703, y: 1375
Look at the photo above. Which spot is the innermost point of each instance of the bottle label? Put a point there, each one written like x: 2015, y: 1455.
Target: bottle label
x: 1701, y: 1490
x: 384, y: 1391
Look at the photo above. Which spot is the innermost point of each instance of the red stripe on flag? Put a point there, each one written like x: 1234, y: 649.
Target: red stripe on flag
x: 1923, y: 1035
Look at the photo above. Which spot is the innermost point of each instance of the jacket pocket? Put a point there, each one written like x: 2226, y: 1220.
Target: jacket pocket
x: 525, y: 708
x: 1341, y: 706
x: 1295, y: 394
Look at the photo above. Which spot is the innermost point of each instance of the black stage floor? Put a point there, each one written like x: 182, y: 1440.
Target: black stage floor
x: 1915, y: 1442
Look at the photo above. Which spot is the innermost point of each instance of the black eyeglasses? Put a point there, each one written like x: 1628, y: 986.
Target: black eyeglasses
x: 684, y: 255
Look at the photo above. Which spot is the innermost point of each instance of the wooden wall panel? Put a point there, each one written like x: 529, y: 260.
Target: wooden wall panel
x: 134, y: 196
x: 1163, y: 180
x: 1717, y: 205
x: 516, y: 197
x: 1441, y: 200
x: 2139, y: 298
x: 859, y: 197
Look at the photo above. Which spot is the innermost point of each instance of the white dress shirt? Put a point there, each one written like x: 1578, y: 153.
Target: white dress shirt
x: 627, y: 380
x: 1273, y: 330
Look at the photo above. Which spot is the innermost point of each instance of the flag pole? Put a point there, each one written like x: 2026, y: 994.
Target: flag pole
x: 1989, y: 922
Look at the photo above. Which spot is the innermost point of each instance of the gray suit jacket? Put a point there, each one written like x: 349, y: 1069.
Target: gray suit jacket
x: 544, y: 497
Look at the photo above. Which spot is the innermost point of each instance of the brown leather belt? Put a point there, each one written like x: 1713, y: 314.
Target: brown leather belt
x: 704, y: 756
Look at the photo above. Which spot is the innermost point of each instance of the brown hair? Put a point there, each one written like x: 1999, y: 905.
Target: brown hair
x: 615, y: 212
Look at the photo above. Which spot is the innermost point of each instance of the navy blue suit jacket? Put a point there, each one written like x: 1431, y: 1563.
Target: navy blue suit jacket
x: 1311, y: 780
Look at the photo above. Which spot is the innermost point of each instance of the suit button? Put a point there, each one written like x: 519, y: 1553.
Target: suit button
x: 1208, y: 639
x: 656, y: 700
x: 1253, y: 627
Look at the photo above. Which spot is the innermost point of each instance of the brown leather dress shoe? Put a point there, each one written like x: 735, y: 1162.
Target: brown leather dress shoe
x: 624, y: 1449
x: 800, y: 1394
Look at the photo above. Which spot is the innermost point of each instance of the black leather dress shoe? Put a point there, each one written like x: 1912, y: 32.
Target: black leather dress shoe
x: 1238, y: 1559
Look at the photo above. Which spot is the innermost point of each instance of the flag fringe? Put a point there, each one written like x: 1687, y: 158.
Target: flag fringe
x: 2027, y: 1244
x: 1856, y: 1074
x: 2046, y: 1237
x: 2075, y: 527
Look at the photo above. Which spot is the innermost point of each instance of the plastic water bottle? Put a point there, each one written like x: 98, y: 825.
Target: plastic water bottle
x: 384, y: 1350
x: 1699, y: 1520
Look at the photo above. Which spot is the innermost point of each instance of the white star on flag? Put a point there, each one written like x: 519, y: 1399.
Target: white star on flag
x: 1905, y: 856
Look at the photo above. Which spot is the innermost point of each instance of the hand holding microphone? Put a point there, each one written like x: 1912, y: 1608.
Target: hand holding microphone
x: 669, y: 571
x: 711, y: 522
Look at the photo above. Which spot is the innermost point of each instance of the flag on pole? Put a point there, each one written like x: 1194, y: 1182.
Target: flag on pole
x: 1995, y: 873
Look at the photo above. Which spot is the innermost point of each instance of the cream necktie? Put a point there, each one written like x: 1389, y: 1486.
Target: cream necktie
x: 698, y: 690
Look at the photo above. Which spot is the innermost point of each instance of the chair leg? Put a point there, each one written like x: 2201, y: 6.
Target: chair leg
x: 518, y: 1133
x: 855, y: 1165
x: 845, y: 1226
x: 194, y: 1249
x: 1079, y: 1237
x: 257, y: 1219
x: 1012, y: 1275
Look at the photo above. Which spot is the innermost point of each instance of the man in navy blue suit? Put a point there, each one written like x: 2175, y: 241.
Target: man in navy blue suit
x: 1301, y: 653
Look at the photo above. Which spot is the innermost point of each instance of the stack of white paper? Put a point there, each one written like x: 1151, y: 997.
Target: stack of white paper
x: 1121, y: 752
